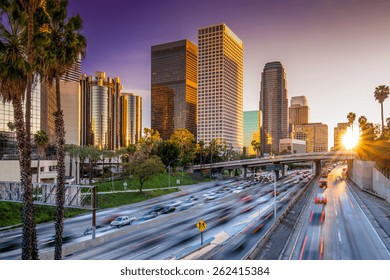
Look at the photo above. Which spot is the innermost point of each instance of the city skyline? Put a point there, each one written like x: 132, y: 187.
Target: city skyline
x: 329, y: 49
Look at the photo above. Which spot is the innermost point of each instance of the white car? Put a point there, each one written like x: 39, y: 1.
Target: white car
x: 122, y: 221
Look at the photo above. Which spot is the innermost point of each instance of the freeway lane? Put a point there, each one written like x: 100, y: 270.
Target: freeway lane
x: 345, y: 233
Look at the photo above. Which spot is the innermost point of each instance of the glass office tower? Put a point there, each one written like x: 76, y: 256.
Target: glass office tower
x: 174, y: 87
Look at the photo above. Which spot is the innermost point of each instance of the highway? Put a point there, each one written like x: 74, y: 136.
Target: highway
x: 238, y: 214
x: 167, y: 236
x: 344, y: 233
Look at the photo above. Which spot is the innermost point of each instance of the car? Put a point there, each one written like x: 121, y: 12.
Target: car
x: 323, y: 183
x: 174, y: 203
x: 11, y: 244
x: 168, y: 209
x: 122, y: 221
x: 320, y: 198
x: 108, y: 219
x: 186, y: 205
x: 192, y: 198
x: 317, y: 214
x: 156, y: 209
x: 69, y: 180
x: 67, y: 237
x: 247, y: 199
x: 148, y: 216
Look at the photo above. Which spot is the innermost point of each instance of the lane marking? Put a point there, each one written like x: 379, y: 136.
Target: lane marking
x: 338, y: 233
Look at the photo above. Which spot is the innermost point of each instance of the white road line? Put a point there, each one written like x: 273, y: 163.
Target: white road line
x: 338, y: 233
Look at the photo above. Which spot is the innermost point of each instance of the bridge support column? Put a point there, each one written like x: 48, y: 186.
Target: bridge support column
x: 244, y: 171
x: 317, y: 167
x: 231, y: 174
x: 284, y: 169
x: 219, y: 172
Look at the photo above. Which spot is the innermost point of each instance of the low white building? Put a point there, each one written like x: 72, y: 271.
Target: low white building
x: 293, y: 146
x: 10, y: 171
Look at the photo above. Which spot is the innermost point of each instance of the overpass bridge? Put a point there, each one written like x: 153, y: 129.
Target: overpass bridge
x: 281, y: 160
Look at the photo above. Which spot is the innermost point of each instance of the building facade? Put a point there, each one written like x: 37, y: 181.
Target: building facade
x: 131, y: 119
x: 291, y: 146
x: 339, y: 132
x: 299, y: 111
x: 174, y: 87
x: 251, y: 130
x: 220, y: 86
x: 315, y: 135
x: 273, y: 107
x: 100, y: 121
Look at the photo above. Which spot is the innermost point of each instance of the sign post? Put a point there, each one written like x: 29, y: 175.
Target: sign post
x: 201, y: 225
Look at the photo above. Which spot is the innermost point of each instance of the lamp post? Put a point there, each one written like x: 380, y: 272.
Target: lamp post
x: 169, y: 172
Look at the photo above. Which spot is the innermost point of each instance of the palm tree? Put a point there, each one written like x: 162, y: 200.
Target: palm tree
x: 41, y: 139
x: 381, y: 94
x: 73, y: 152
x: 93, y: 156
x: 14, y: 70
x: 351, y: 118
x: 63, y: 48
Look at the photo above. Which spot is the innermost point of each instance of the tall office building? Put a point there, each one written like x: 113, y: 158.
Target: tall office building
x: 70, y: 103
x: 174, y: 87
x: 100, y: 120
x: 131, y: 118
x: 274, y: 107
x: 251, y: 130
x: 339, y: 132
x: 220, y: 86
x: 315, y: 135
x: 299, y: 110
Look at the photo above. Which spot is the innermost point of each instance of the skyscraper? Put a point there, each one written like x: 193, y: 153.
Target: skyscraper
x: 299, y: 110
x: 131, y: 118
x: 273, y: 106
x: 100, y: 118
x: 174, y: 87
x: 339, y: 132
x: 220, y: 86
x: 251, y: 130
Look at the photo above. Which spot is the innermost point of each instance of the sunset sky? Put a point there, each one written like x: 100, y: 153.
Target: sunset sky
x: 334, y: 52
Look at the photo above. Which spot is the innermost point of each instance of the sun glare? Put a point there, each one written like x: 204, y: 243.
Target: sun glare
x: 351, y: 138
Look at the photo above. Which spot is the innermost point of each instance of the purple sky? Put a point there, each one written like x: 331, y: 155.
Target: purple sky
x: 335, y: 52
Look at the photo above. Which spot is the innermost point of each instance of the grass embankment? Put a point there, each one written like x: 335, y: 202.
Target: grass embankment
x: 11, y: 213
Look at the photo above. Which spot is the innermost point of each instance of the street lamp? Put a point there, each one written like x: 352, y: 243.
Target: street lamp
x: 169, y: 172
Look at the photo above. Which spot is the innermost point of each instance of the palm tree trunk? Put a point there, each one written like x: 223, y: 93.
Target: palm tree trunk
x: 383, y: 122
x: 29, y: 242
x: 60, y: 139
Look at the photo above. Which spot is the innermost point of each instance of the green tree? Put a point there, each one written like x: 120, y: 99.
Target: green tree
x: 186, y: 143
x: 143, y: 169
x: 168, y: 151
x: 41, y: 139
x: 64, y: 45
x: 14, y: 72
x: 256, y: 146
x: 150, y: 141
x: 381, y: 94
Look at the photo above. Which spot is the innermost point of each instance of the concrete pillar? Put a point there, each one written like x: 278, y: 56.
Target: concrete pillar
x: 244, y: 171
x: 231, y: 173
x: 284, y: 169
x: 219, y: 172
x: 318, y: 167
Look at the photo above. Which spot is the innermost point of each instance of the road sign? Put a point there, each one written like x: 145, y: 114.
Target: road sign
x: 201, y: 225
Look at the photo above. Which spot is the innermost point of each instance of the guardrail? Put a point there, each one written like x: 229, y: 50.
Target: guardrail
x: 256, y: 249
